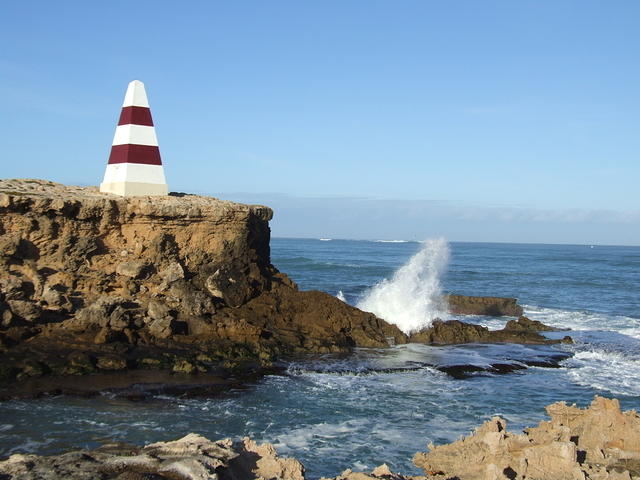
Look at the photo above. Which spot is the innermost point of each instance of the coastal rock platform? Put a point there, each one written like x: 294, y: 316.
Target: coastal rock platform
x: 92, y: 282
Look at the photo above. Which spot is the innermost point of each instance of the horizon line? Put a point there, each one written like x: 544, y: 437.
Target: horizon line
x: 382, y: 240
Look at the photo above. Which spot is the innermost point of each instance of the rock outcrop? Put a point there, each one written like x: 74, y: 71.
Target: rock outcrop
x: 91, y: 282
x: 492, y: 306
x: 190, y: 458
x: 597, y: 443
x: 522, y: 330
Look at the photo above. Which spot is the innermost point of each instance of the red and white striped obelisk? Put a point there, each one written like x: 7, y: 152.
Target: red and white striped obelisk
x: 134, y: 167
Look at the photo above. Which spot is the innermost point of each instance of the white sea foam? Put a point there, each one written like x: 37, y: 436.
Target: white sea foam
x: 392, y: 241
x: 325, y: 239
x: 585, y: 320
x: 315, y: 435
x: 413, y: 296
x: 340, y: 296
x: 604, y: 370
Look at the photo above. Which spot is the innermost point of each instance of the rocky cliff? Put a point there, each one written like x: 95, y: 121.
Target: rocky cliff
x: 94, y: 282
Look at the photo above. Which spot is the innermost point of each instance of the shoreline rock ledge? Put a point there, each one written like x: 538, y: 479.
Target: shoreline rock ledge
x: 596, y: 443
x: 91, y: 282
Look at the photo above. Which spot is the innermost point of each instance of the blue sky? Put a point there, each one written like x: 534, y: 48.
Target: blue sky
x: 476, y: 120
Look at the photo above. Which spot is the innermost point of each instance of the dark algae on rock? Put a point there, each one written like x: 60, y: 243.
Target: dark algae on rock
x: 94, y: 283
x: 100, y: 285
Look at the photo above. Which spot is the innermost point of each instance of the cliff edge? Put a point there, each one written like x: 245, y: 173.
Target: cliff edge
x: 92, y: 282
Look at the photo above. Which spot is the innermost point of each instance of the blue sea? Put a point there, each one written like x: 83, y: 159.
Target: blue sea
x: 334, y: 412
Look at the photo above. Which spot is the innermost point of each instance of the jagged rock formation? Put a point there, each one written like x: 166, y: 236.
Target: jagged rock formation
x: 523, y: 330
x: 492, y: 306
x: 192, y: 457
x: 597, y: 443
x: 94, y: 282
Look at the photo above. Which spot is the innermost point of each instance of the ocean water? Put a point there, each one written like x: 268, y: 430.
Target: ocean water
x: 357, y: 411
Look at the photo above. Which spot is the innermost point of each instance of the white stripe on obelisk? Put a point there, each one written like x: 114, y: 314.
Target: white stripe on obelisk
x: 135, y: 172
x: 135, y: 134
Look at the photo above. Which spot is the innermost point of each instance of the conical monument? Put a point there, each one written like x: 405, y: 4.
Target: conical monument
x: 134, y: 167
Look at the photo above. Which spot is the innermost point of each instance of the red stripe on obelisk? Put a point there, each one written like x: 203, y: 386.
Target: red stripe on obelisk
x: 146, y: 154
x: 136, y: 116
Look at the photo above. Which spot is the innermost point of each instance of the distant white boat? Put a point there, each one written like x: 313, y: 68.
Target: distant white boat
x: 392, y: 241
x: 325, y: 239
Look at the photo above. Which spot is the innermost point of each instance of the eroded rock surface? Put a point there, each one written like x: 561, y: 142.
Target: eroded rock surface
x: 92, y: 282
x: 522, y: 330
x: 492, y: 306
x: 597, y: 443
x: 192, y: 457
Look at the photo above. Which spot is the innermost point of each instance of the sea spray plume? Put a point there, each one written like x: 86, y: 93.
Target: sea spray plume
x: 413, y: 297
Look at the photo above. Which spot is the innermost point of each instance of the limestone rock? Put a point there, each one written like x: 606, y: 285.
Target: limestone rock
x: 111, y: 362
x: 132, y: 269
x: 162, y: 327
x: 493, y: 306
x: 226, y: 285
x: 184, y: 366
x: 106, y: 335
x: 158, y: 310
x: 173, y: 272
x: 54, y: 298
x: 599, y: 442
x: 526, y: 324
x: 25, y: 309
x: 79, y: 362
x: 192, y: 457
x: 98, y: 313
x: 14, y: 288
x: 7, y: 316
x: 262, y: 461
x: 455, y: 331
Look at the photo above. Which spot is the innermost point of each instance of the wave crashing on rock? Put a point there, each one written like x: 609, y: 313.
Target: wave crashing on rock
x: 412, y: 298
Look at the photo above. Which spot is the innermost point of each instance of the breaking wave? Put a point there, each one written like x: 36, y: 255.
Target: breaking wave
x: 612, y: 372
x: 412, y: 298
